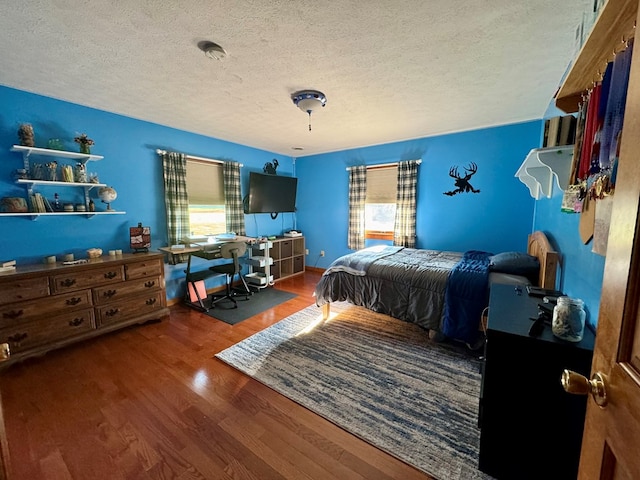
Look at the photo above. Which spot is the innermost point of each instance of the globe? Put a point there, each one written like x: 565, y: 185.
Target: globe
x: 107, y: 195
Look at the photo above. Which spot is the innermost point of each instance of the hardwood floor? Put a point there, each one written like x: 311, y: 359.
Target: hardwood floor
x: 151, y: 402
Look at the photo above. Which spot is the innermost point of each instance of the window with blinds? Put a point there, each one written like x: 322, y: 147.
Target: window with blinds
x: 205, y: 187
x: 380, y: 203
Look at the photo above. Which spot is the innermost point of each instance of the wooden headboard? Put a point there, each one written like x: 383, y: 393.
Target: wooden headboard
x: 539, y: 246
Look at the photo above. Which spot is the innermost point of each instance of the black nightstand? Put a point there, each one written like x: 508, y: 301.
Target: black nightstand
x: 530, y: 427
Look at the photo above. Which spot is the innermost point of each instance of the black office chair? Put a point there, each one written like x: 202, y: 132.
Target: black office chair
x: 232, y: 250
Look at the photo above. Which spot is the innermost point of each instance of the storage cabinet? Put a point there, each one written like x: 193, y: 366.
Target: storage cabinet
x: 43, y: 307
x: 31, y: 184
x: 530, y: 427
x: 287, y: 254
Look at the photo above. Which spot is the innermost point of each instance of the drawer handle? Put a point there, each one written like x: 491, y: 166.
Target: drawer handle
x: 74, y: 301
x: 150, y: 284
x: 76, y: 322
x: 109, y: 293
x: 68, y: 282
x: 13, y: 314
x: 110, y: 275
x: 151, y: 301
x: 112, y: 312
x: 17, y: 338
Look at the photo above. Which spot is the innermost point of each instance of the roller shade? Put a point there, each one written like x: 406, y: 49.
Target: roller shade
x: 205, y: 183
x: 382, y: 184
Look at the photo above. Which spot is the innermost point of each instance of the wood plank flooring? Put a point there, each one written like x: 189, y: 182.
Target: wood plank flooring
x: 151, y: 402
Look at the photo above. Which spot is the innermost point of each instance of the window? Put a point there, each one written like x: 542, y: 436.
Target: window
x: 205, y: 187
x: 380, y: 204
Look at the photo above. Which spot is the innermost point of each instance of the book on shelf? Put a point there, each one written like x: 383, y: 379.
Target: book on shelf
x: 567, y: 132
x: 47, y: 205
x: 553, y: 132
x: 559, y: 131
x: 8, y: 263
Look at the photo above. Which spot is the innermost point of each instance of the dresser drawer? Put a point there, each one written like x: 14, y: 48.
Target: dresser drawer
x: 109, y: 293
x: 147, y: 268
x: 128, y: 308
x: 23, y: 289
x: 86, y: 279
x: 46, y: 330
x: 17, y: 313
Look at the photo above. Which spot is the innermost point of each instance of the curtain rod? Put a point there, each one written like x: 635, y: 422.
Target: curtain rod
x: 193, y: 157
x: 381, y: 165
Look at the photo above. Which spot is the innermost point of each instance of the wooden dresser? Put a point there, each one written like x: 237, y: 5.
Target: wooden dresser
x: 43, y: 307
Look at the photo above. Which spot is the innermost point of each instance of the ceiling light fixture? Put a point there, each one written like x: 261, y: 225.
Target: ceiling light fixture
x: 308, y: 101
x: 212, y: 50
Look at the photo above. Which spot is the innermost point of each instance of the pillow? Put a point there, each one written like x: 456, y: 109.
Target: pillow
x: 515, y: 263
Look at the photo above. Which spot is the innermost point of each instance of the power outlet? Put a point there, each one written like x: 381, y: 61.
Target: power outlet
x: 306, y: 251
x: 322, y: 253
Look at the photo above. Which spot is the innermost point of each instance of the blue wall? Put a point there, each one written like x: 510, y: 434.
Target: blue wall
x: 130, y: 165
x: 582, y: 270
x: 499, y: 218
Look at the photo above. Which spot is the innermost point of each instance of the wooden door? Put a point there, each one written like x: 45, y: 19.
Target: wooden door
x: 611, y: 440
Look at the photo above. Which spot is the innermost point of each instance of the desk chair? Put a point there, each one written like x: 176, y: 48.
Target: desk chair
x: 232, y: 250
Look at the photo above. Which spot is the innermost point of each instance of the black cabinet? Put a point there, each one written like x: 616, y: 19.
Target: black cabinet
x: 530, y: 427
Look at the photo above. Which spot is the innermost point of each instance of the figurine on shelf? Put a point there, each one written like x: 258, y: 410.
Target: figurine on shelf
x: 26, y: 136
x: 57, y: 206
x: 80, y: 173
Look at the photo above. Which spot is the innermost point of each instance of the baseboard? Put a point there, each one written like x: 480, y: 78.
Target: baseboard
x: 315, y: 269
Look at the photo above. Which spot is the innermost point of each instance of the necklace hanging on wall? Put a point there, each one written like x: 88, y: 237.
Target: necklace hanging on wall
x: 462, y: 182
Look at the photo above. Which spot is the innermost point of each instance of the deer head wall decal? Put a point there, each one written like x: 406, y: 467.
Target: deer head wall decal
x: 463, y: 182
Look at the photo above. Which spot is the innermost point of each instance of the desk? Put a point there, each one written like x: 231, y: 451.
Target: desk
x: 195, y: 293
x: 175, y: 254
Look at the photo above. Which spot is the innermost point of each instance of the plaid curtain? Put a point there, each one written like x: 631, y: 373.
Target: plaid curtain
x: 357, y: 196
x: 175, y: 195
x: 404, y: 231
x: 234, y: 212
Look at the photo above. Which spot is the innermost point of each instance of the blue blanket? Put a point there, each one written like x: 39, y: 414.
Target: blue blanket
x: 466, y: 296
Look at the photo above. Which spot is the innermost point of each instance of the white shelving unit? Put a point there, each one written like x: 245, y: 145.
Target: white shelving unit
x: 29, y: 184
x: 260, y: 262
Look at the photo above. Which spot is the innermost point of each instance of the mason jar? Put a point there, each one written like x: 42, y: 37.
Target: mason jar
x: 568, y: 319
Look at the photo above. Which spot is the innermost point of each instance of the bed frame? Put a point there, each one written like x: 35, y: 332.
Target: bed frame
x: 537, y: 245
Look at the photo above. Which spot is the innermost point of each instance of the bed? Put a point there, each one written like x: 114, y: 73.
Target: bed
x: 443, y: 292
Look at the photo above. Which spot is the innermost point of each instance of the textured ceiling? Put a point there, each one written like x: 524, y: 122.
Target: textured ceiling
x: 391, y: 69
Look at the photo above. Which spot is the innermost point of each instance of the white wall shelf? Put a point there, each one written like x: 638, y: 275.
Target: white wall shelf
x: 47, y: 152
x: 29, y: 184
x: 542, y: 166
x: 35, y: 215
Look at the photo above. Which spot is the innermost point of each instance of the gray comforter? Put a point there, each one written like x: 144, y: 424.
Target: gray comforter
x: 405, y: 283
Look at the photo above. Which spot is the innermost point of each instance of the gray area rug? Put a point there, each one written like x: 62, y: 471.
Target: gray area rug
x: 257, y: 303
x: 379, y: 378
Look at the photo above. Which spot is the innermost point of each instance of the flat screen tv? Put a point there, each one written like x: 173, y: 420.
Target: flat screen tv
x: 271, y: 193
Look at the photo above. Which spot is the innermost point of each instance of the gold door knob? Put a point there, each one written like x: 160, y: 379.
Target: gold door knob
x: 5, y: 352
x: 577, y: 384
